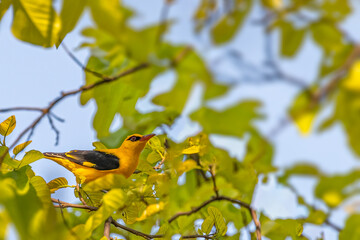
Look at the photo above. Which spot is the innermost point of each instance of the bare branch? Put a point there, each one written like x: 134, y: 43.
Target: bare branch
x: 57, y: 132
x: 216, y: 190
x: 107, y: 226
x: 64, y: 220
x: 21, y: 109
x: 70, y: 205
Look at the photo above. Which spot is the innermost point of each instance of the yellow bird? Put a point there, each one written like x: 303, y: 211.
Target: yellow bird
x: 90, y: 165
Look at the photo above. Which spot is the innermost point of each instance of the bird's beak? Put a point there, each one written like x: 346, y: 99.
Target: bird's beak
x: 147, y: 137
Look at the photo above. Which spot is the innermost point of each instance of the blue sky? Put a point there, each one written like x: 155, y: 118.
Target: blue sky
x: 32, y: 76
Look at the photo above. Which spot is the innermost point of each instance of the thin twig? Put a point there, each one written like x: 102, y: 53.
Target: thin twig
x: 216, y: 190
x: 57, y: 132
x: 64, y: 220
x: 70, y: 205
x: 79, y: 193
x: 21, y: 109
x: 107, y: 226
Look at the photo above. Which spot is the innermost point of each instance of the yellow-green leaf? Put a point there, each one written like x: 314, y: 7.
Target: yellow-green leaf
x: 36, y: 22
x: 70, y: 14
x: 4, y: 6
x: 207, y: 225
x: 228, y: 26
x: 30, y: 157
x: 99, y: 145
x: 20, y: 147
x: 153, y: 157
x: 151, y: 210
x: 219, y: 220
x: 191, y: 150
x: 291, y: 39
x: 57, y: 183
x: 187, y: 166
x: 352, y: 82
x: 303, y: 112
x: 7, y: 126
x: 112, y: 201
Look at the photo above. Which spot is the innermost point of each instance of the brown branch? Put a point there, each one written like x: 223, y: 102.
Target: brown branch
x: 70, y: 205
x: 64, y: 220
x: 107, y: 226
x: 216, y: 190
x: 21, y: 109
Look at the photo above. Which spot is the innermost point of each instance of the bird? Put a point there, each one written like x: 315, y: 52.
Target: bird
x: 88, y: 165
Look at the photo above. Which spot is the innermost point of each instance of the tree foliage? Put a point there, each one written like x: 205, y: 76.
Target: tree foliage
x: 193, y: 188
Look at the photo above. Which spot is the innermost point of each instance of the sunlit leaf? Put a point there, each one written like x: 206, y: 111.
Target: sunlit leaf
x: 303, y: 112
x: 234, y: 121
x: 7, y: 126
x: 30, y: 157
x: 317, y: 217
x: 228, y: 26
x: 187, y: 166
x: 219, y: 220
x: 153, y: 157
x: 99, y: 145
x: 151, y: 210
x: 70, y: 14
x: 4, y: 6
x: 207, y: 224
x: 112, y: 201
x: 334, y: 189
x: 36, y: 22
x: 280, y: 228
x: 291, y: 39
x: 57, y: 183
x: 21, y: 147
x: 326, y: 35
x: 350, y: 231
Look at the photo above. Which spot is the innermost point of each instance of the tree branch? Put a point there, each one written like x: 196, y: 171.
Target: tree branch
x: 107, y: 226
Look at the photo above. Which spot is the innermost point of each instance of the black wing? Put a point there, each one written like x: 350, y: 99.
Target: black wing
x: 94, y: 159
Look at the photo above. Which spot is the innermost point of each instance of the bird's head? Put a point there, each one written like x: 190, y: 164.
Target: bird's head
x: 135, y: 143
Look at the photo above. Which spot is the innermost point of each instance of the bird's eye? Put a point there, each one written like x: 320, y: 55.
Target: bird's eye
x: 134, y: 138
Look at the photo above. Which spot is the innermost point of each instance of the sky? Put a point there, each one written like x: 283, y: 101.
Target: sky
x: 32, y: 76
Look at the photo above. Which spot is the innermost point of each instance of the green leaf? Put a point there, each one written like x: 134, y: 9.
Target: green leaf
x: 30, y: 157
x: 317, y: 217
x: 207, y: 225
x: 351, y: 229
x: 109, y: 181
x: 99, y: 145
x: 228, y: 25
x: 36, y: 22
x: 153, y: 157
x: 326, y: 35
x: 303, y: 169
x: 112, y: 201
x: 280, y: 228
x: 151, y: 210
x: 7, y: 126
x: 291, y: 39
x: 4, y: 222
x: 4, y: 6
x: 259, y: 154
x: 333, y: 190
x: 347, y: 112
x: 57, y: 183
x: 303, y: 111
x: 234, y: 121
x: 20, y: 147
x: 219, y: 220
x: 70, y: 14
